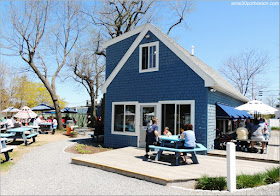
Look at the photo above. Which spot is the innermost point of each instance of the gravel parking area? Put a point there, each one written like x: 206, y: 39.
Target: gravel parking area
x: 46, y: 170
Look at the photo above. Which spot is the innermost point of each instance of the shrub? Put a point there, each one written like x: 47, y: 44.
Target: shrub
x: 80, y: 148
x: 275, y: 128
x: 207, y: 183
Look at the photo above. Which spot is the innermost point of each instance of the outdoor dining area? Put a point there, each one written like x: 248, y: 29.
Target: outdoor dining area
x: 24, y: 124
x: 250, y: 131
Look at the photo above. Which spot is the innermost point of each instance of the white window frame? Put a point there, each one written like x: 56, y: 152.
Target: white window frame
x: 157, y: 57
x: 137, y: 118
x: 182, y: 102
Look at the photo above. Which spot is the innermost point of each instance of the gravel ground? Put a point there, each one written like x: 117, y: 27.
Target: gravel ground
x: 47, y: 171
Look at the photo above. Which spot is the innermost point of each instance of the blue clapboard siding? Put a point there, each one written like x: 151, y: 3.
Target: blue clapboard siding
x: 115, y: 52
x: 213, y: 98
x: 174, y: 81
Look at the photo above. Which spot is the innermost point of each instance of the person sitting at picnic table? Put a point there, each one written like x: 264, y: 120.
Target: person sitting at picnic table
x: 5, y: 119
x: 257, y: 134
x: 189, y: 137
x: 17, y: 123
x: 38, y: 120
x: 9, y: 123
x: 151, y: 135
x: 49, y: 119
x: 167, y: 132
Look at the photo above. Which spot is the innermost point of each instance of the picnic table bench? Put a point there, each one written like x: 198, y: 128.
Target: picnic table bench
x: 5, y: 149
x: 238, y: 142
x: 6, y: 135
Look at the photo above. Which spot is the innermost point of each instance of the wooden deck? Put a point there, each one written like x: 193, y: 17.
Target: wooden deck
x: 130, y: 161
x: 272, y: 155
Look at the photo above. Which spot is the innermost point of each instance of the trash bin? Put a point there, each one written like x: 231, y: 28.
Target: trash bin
x: 69, y: 123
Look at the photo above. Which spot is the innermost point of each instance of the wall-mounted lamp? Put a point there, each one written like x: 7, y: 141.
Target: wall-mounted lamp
x: 147, y: 36
x: 212, y: 90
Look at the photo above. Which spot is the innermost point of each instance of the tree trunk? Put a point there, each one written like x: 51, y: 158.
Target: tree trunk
x: 58, y: 114
x: 93, y: 115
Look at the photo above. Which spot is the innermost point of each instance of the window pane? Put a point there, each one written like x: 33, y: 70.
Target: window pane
x: 154, y: 56
x: 168, y: 117
x: 118, y: 121
x: 130, y: 118
x: 148, y: 114
x: 183, y: 116
x: 151, y: 57
x: 144, y: 57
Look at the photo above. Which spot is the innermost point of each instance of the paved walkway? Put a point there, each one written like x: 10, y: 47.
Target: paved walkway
x: 47, y: 171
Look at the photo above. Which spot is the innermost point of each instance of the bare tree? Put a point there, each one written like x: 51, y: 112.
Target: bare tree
x: 89, y: 71
x: 43, y: 32
x: 116, y: 17
x: 243, y: 69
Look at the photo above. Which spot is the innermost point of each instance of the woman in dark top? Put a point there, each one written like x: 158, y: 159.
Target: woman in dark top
x: 151, y: 135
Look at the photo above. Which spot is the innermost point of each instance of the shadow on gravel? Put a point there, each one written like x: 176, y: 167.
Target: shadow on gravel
x: 89, y: 142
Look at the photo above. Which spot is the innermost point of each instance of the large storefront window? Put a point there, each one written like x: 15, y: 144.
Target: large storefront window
x: 175, y: 116
x: 124, y: 121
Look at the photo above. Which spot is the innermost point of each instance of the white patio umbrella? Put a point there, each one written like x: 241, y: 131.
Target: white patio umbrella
x: 10, y: 109
x: 258, y: 107
x: 25, y: 113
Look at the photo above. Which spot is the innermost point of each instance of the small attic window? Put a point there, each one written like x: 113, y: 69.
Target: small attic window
x: 149, y: 57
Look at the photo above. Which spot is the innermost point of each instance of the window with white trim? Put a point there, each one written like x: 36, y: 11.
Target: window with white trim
x: 124, y: 118
x: 149, y: 57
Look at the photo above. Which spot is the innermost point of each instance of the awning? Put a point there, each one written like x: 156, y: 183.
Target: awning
x: 228, y: 112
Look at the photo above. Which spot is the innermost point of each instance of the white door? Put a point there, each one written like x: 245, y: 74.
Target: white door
x: 147, y: 112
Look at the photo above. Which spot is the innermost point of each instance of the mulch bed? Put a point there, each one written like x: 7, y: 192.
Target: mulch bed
x: 92, y: 149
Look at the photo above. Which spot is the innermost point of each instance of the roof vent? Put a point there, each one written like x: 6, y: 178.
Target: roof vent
x: 192, y: 50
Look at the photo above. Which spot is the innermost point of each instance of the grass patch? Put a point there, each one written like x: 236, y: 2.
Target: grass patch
x: 242, y: 181
x: 248, y: 181
x: 275, y: 128
x: 81, y: 149
x: 207, y: 183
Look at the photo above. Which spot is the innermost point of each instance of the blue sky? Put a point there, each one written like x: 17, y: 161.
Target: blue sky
x: 218, y: 30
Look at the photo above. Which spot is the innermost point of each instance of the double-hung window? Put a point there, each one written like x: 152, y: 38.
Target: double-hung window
x: 149, y: 57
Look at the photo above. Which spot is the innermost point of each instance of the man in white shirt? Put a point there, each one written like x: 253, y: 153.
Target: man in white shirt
x: 9, y: 123
x: 38, y: 121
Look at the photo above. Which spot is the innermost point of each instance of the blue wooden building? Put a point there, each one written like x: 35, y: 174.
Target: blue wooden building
x: 148, y: 74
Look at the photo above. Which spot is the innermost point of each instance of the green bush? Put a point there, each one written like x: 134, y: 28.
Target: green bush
x: 207, y: 183
x: 275, y: 128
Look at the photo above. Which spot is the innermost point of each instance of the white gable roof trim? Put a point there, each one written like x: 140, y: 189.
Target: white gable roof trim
x: 210, y: 76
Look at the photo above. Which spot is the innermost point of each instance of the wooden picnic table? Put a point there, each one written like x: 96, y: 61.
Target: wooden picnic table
x: 21, y: 133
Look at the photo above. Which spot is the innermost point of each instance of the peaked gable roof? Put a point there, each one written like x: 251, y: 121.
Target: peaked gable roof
x: 210, y: 76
